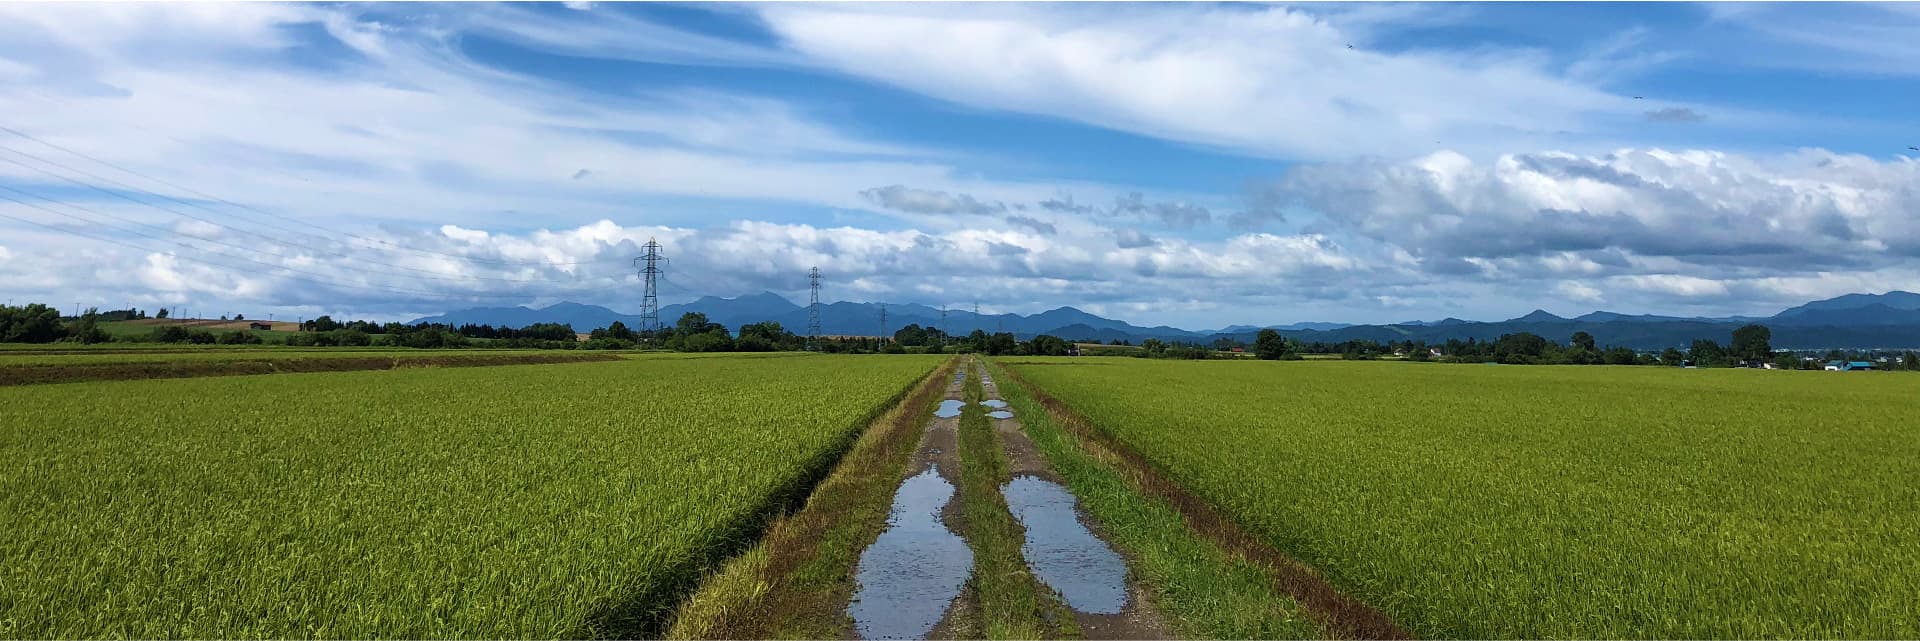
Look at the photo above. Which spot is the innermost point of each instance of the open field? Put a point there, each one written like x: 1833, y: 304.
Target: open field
x: 527, y: 501
x: 21, y: 368
x: 1493, y: 502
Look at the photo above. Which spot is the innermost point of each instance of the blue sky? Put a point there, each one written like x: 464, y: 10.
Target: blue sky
x: 1189, y: 164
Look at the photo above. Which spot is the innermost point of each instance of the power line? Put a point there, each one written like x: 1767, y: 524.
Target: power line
x: 813, y: 310
x: 253, y: 209
x: 650, y: 299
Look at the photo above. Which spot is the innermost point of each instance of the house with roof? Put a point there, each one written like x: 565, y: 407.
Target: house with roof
x: 1849, y: 366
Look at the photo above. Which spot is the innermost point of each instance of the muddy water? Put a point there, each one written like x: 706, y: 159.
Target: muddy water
x: 948, y: 408
x: 916, y: 567
x: 1062, y: 552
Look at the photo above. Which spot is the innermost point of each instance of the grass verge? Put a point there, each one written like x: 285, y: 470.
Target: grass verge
x: 1011, y: 602
x: 795, y: 583
x: 1209, y: 577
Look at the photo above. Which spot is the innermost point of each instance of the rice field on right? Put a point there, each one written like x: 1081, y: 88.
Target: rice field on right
x: 1472, y: 501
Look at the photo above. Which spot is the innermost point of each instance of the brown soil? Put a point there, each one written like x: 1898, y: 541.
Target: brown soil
x: 71, y: 373
x: 1341, y: 615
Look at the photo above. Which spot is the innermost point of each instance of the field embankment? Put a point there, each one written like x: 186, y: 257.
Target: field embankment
x: 535, y: 501
x: 23, y: 368
x: 1496, y: 502
x: 796, y: 581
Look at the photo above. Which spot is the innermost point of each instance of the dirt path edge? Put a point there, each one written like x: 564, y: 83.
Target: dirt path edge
x: 755, y: 596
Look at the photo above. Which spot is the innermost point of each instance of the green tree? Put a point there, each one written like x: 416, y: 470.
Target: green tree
x: 31, y: 323
x: 619, y: 331
x: 1672, y: 357
x: 1752, y: 343
x: 1268, y: 344
x: 161, y: 314
x: 86, y: 328
x: 1706, y: 353
x: 692, y: 323
x: 912, y: 335
x: 1044, y: 345
x: 1002, y: 343
x: 1584, y: 341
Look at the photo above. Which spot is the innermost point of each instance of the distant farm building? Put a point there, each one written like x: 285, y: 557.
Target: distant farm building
x: 1849, y: 366
x: 260, y: 325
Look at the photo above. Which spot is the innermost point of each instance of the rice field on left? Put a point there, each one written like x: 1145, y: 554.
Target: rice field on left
x: 564, y: 500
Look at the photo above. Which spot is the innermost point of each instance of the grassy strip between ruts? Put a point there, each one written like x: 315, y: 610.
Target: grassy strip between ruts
x: 1010, y: 600
x: 1162, y: 525
x: 795, y: 583
x: 269, y: 364
x: 1205, y: 591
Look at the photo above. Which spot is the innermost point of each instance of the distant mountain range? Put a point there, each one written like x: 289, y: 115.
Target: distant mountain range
x: 1853, y: 321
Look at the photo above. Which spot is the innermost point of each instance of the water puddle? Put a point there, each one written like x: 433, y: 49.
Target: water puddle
x: 910, y: 575
x: 948, y: 408
x: 994, y: 402
x: 1000, y: 414
x: 1061, y: 551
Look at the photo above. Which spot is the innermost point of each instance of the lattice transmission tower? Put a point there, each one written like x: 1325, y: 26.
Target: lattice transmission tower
x: 813, y: 310
x: 649, y: 266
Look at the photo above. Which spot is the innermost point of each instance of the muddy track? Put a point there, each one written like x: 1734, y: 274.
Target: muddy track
x: 1137, y: 618
x: 797, y: 581
x: 911, y: 579
x: 1342, y: 616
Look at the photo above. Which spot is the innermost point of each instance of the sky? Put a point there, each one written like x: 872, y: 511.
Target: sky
x: 1198, y: 165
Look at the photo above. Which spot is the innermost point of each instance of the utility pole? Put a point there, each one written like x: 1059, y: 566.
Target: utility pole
x: 943, y: 318
x: 650, y: 298
x: 883, y: 321
x: 813, y: 310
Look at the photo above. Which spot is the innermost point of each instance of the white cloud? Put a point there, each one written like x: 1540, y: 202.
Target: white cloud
x: 1578, y: 291
x: 1702, y: 208
x: 1272, y: 81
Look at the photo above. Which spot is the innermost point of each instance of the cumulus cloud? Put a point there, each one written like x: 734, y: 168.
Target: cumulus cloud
x: 1132, y: 239
x: 926, y: 201
x: 1064, y: 204
x: 1178, y: 215
x: 1713, y: 210
x: 1033, y: 224
x: 1676, y: 115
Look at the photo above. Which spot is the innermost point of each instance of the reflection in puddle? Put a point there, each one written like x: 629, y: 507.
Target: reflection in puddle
x: 910, y: 575
x: 948, y: 408
x: 1061, y: 551
x: 994, y: 402
x: 1000, y: 414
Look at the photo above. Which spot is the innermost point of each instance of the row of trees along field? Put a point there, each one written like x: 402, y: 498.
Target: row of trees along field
x: 1751, y: 345
x: 693, y: 332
